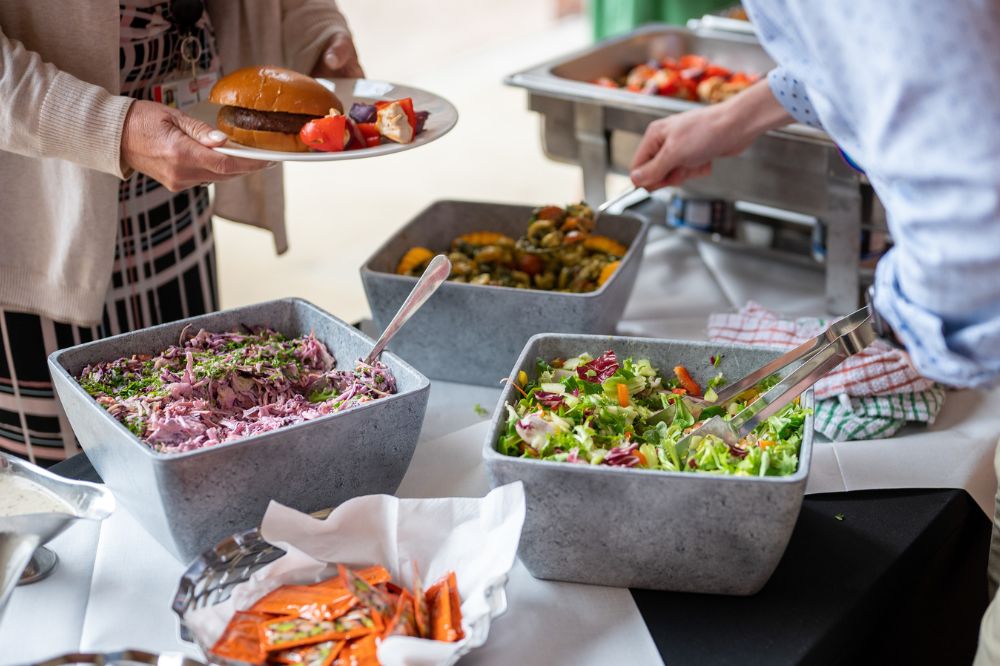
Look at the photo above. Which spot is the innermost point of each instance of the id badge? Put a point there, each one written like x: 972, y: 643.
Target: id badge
x: 184, y: 90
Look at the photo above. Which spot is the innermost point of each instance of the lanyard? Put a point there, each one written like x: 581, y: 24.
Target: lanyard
x: 185, y: 14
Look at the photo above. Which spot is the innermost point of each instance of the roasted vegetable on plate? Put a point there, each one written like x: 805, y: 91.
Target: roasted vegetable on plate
x: 364, y: 126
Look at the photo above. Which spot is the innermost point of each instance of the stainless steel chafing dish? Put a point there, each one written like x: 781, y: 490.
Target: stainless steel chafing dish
x: 796, y: 168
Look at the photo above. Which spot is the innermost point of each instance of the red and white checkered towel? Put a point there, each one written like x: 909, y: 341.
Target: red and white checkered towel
x: 878, y: 370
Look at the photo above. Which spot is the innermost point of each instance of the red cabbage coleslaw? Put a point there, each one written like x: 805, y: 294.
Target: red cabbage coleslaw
x: 213, y: 388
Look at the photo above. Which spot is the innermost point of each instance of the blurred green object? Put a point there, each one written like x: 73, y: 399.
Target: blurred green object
x: 614, y: 17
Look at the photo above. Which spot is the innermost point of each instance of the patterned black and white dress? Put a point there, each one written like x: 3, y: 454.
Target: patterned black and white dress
x: 164, y: 267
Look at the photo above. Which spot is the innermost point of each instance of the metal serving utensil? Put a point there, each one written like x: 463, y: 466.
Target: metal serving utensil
x: 436, y: 273
x: 23, y: 559
x: 614, y: 200
x: 843, y: 338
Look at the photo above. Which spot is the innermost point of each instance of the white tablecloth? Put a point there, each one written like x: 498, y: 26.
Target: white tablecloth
x: 114, y: 586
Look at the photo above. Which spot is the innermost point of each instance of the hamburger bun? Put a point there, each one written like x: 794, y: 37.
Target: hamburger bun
x: 275, y: 89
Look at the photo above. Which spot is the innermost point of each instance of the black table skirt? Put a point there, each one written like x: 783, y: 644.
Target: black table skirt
x: 901, y: 579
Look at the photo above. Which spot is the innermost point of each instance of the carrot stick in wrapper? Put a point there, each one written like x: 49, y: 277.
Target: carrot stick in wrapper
x: 321, y: 654
x: 241, y: 639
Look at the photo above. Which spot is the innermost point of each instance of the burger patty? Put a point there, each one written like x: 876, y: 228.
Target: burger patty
x: 265, y: 121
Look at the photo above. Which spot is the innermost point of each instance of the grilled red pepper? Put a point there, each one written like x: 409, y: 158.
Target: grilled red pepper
x: 370, y: 132
x: 327, y: 134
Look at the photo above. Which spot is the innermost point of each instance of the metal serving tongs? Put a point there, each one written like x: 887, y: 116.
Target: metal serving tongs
x: 843, y: 338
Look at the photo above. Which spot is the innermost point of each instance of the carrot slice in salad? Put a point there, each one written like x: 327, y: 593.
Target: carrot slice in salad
x: 623, y: 395
x: 689, y: 384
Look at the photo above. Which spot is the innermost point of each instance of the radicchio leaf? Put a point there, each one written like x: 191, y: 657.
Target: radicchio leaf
x: 599, y: 369
x: 550, y: 400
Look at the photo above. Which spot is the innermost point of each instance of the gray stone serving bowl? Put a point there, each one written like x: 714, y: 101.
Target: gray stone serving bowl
x: 189, y: 501
x: 644, y: 528
x: 473, y: 333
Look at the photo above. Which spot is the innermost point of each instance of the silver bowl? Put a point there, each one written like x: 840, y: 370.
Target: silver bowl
x: 188, y: 501
x: 23, y: 557
x: 650, y: 529
x: 472, y: 333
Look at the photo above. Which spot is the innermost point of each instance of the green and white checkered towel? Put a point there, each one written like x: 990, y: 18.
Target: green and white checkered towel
x: 874, y: 417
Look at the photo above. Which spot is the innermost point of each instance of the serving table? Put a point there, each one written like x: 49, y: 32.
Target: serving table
x: 891, y: 576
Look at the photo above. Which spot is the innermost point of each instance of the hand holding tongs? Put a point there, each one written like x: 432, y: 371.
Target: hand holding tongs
x: 843, y: 338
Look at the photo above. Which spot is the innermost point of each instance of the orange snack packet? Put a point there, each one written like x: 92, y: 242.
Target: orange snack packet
x: 369, y: 595
x: 422, y: 614
x: 306, y: 601
x: 456, y: 605
x: 359, y: 652
x: 241, y: 639
x: 439, y: 599
x: 404, y: 622
x: 287, y: 632
x: 374, y: 575
x: 321, y: 654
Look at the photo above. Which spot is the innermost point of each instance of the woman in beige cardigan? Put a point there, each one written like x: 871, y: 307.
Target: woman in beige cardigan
x: 106, y: 223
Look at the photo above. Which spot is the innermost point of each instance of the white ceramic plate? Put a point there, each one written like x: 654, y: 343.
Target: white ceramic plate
x: 443, y: 117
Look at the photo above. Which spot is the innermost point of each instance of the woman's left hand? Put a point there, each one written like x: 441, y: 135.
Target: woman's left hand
x: 339, y: 59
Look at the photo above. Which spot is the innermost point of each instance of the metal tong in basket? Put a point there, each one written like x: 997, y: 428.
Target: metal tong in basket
x: 843, y: 338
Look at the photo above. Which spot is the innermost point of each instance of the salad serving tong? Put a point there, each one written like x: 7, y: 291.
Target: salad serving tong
x: 842, y: 339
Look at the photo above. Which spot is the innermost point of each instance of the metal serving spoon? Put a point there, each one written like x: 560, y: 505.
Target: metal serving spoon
x: 436, y: 272
x: 614, y: 200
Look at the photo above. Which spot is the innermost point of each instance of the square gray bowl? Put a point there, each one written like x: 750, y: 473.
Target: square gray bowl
x: 189, y: 501
x: 473, y: 333
x: 674, y: 531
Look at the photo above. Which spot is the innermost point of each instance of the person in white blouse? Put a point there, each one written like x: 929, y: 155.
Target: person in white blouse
x: 911, y: 93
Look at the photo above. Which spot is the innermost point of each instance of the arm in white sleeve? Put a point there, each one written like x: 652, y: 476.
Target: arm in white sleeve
x: 792, y: 95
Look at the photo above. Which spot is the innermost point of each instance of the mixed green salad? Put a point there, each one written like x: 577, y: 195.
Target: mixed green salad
x: 600, y: 411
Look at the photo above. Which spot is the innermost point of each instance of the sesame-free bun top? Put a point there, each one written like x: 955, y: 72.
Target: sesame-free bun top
x: 267, y: 88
